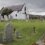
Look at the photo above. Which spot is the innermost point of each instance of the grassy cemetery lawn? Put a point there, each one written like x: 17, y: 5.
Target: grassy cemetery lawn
x: 25, y: 28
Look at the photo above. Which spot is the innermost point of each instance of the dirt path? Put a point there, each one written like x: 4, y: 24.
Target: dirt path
x: 1, y: 44
x: 40, y: 42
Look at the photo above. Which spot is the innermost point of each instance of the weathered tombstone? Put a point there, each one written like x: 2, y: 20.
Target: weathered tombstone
x: 44, y: 38
x: 0, y: 17
x: 34, y: 43
x: 34, y: 29
x: 18, y: 35
x: 8, y: 33
x: 5, y: 18
x: 14, y: 30
x: 10, y: 17
x: 1, y: 37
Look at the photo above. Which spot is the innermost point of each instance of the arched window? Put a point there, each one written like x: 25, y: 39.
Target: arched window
x: 16, y: 15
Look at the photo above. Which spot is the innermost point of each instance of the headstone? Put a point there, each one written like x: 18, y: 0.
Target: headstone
x: 10, y: 17
x: 8, y: 33
x: 18, y: 35
x: 1, y: 37
x: 35, y: 43
x: 34, y: 28
x: 5, y: 18
x: 0, y: 17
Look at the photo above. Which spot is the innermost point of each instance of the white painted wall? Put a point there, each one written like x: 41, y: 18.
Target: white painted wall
x: 19, y: 15
x: 28, y: 17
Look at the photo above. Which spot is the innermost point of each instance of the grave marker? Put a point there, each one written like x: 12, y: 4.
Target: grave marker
x: 8, y: 33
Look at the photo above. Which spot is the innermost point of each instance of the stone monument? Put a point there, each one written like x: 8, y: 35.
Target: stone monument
x: 8, y: 33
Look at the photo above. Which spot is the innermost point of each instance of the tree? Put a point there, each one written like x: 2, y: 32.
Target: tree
x: 6, y: 11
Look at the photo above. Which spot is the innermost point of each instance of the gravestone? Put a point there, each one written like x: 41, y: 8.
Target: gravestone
x: 35, y: 43
x: 8, y: 33
x: 1, y: 36
x: 5, y: 18
x: 0, y: 17
x: 18, y: 35
x: 34, y: 29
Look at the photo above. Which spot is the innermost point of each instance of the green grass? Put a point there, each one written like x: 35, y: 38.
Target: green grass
x: 26, y: 30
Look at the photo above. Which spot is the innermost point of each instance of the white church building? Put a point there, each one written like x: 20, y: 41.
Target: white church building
x: 18, y: 15
x: 18, y: 12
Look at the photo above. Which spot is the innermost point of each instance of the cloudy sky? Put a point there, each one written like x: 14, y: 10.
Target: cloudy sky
x: 32, y: 5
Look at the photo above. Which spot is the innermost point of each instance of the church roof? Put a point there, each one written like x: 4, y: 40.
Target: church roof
x: 16, y: 7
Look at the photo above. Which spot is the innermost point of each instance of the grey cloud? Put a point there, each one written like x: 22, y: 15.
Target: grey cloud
x: 35, y: 5
x: 39, y: 3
